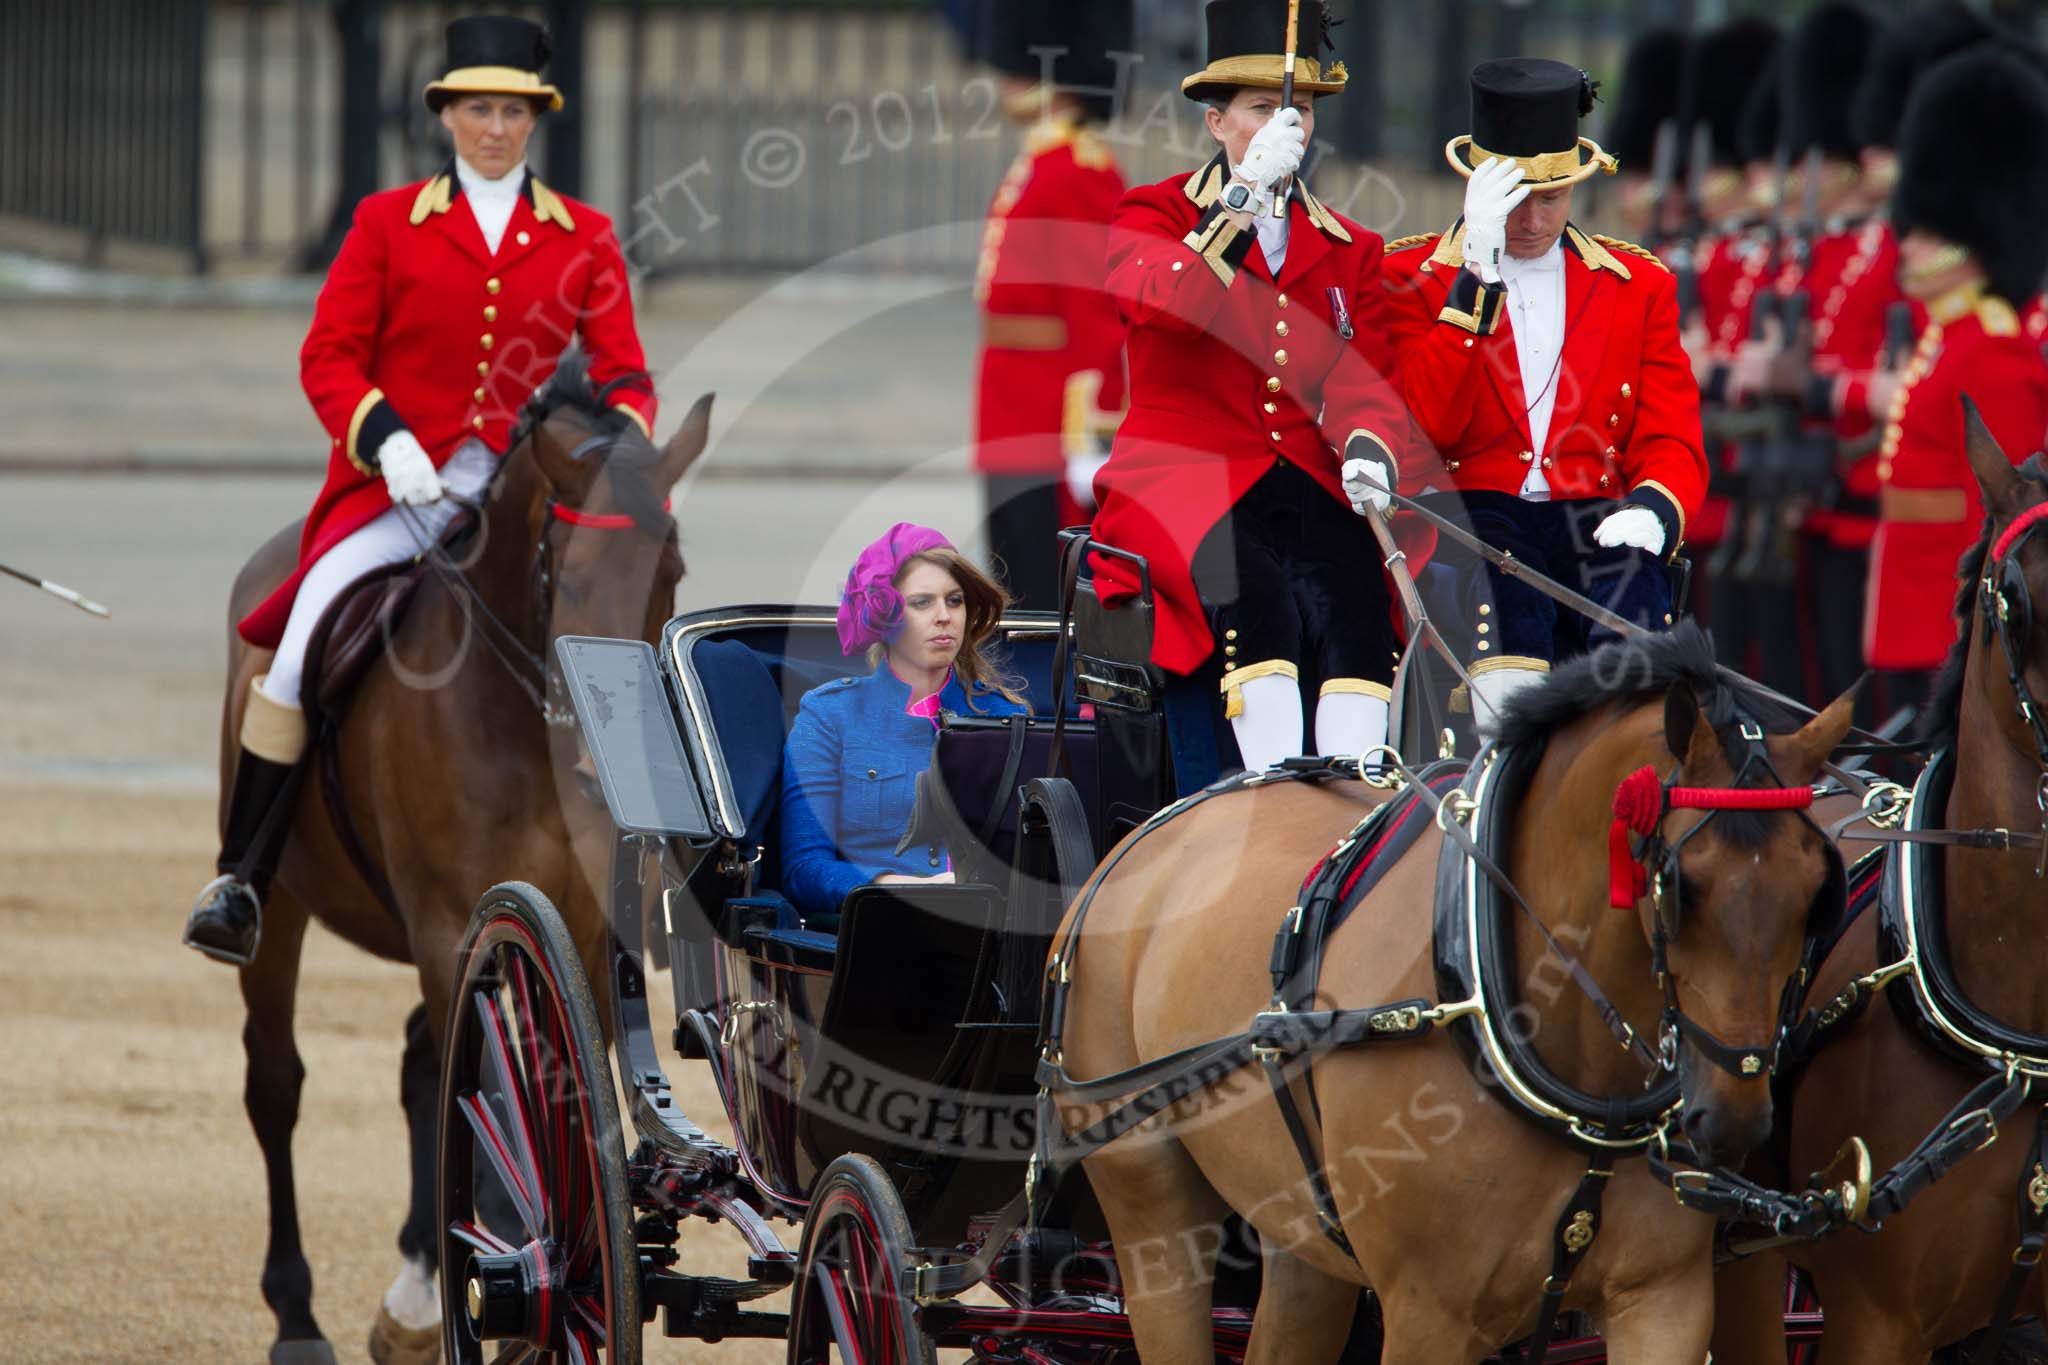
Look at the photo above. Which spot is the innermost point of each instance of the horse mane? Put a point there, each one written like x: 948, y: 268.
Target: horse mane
x: 1631, y: 672
x: 1937, y: 725
x: 629, y: 457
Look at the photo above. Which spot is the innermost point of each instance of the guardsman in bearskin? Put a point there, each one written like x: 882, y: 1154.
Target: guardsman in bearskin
x: 1652, y: 202
x: 1544, y: 365
x: 1262, y: 412
x: 449, y: 303
x: 1052, y: 367
x: 1971, y: 250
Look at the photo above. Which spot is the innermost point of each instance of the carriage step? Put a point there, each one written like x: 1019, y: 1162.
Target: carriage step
x: 775, y: 1270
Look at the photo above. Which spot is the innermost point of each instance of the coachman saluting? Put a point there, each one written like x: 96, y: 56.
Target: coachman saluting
x: 1972, y: 252
x: 1544, y: 364
x: 449, y: 303
x: 1260, y: 393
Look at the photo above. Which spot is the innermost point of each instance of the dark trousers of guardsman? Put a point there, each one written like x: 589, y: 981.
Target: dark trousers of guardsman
x: 1515, y: 626
x: 1290, y: 583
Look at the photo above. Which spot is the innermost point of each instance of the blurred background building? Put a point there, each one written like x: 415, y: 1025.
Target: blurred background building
x: 723, y: 135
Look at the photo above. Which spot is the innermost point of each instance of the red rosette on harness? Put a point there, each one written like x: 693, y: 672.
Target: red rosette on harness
x: 1638, y: 802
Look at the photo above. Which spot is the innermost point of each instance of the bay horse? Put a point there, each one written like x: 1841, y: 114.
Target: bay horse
x: 1449, y: 1199
x: 457, y: 775
x: 1933, y: 1275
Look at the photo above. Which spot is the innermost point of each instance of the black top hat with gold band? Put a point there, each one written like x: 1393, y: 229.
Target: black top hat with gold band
x: 1527, y: 110
x: 1248, y: 46
x: 494, y: 54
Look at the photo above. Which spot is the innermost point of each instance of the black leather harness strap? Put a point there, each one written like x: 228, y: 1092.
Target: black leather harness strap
x: 2033, y: 1200
x: 1577, y: 1226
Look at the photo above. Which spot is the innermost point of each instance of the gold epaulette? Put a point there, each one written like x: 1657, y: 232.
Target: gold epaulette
x: 1997, y: 317
x: 1617, y: 244
x: 1403, y: 243
x: 1091, y: 150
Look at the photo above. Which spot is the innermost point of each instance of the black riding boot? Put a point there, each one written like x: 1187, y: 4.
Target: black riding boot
x: 226, y: 921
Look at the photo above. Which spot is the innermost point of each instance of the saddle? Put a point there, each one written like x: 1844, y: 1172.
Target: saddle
x: 352, y: 633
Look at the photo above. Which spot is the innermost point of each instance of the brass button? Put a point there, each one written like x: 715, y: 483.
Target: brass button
x: 1230, y: 635
x: 492, y: 286
x: 483, y: 367
x: 1230, y: 650
x: 1272, y: 407
x: 489, y: 341
x: 1279, y: 357
x: 1606, y: 479
x: 1483, y: 646
x: 1546, y: 462
x: 1486, y: 608
x: 490, y: 312
x: 1483, y: 628
x: 479, y: 395
x: 1613, y: 419
x: 1273, y: 385
x: 1452, y: 466
x: 1626, y: 390
x: 523, y: 238
x: 873, y: 773
x: 1281, y: 328
x: 477, y: 422
x: 1610, y: 450
x: 1228, y: 667
x: 1468, y: 343
x: 1274, y: 434
x: 1528, y: 456
x: 1667, y: 618
x: 1178, y: 266
x: 1283, y: 300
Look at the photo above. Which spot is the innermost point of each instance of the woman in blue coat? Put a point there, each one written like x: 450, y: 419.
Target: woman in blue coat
x: 922, y: 613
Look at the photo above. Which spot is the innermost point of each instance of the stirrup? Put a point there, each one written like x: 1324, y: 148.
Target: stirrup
x: 255, y: 936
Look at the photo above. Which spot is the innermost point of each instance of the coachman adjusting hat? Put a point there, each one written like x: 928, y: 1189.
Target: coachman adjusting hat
x: 495, y: 54
x: 1077, y: 42
x: 1248, y: 46
x: 1527, y: 110
x: 1959, y: 184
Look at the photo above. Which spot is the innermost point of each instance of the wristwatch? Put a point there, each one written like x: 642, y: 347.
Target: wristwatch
x: 1238, y: 198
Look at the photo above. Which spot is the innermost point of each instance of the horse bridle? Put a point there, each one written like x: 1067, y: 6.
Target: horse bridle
x: 1641, y: 802
x: 2008, y: 608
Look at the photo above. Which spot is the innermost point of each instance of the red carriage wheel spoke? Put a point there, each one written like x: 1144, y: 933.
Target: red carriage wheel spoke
x: 521, y: 1135
x: 591, y: 1309
x: 839, y: 1311
x: 580, y: 1350
x: 496, y: 1147
x: 538, y: 1083
x: 482, y: 1239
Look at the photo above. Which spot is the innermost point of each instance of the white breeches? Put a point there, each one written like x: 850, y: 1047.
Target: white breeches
x: 397, y: 534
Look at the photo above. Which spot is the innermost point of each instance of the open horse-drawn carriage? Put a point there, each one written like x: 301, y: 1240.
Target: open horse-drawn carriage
x: 881, y: 1068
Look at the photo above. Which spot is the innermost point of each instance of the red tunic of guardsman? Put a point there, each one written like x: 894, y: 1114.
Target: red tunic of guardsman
x: 1544, y: 365
x: 449, y: 304
x: 1970, y: 243
x: 1260, y: 386
x: 1051, y: 383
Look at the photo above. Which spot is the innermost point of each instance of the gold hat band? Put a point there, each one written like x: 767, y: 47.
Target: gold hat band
x: 1268, y: 70
x: 1545, y: 168
x: 496, y: 80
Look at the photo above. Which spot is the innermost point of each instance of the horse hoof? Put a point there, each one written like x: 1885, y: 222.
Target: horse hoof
x: 306, y: 1351
x: 392, y: 1343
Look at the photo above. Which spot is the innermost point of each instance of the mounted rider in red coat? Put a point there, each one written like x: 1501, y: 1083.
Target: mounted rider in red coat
x: 1544, y: 365
x: 449, y: 304
x: 1051, y: 382
x: 1262, y: 409
x: 1972, y: 251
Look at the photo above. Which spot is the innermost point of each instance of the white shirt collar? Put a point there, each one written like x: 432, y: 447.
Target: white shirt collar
x: 474, y: 182
x: 1512, y: 267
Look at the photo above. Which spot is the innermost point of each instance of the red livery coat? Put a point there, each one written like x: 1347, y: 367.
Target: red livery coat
x: 1232, y: 370
x: 1626, y: 422
x: 1047, y: 324
x: 421, y: 327
x: 1930, y: 510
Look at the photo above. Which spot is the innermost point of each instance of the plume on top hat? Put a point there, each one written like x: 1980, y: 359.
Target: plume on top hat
x: 1971, y: 119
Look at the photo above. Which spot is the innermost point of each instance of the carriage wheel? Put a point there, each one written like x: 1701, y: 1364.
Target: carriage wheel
x: 851, y: 1302
x: 538, y: 1260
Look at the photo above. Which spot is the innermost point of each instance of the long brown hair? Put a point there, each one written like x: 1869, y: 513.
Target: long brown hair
x: 987, y: 600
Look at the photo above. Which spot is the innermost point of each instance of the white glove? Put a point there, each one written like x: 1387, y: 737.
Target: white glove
x: 1636, y: 526
x: 1494, y: 191
x: 1276, y: 152
x: 1081, y: 472
x: 409, y: 473
x: 1365, y: 482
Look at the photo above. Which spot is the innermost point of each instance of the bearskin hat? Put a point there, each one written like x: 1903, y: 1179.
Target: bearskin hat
x: 1723, y: 68
x: 1824, y: 59
x: 1763, y: 113
x: 1973, y: 120
x: 1090, y: 32
x: 1649, y: 97
x: 1905, y: 49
